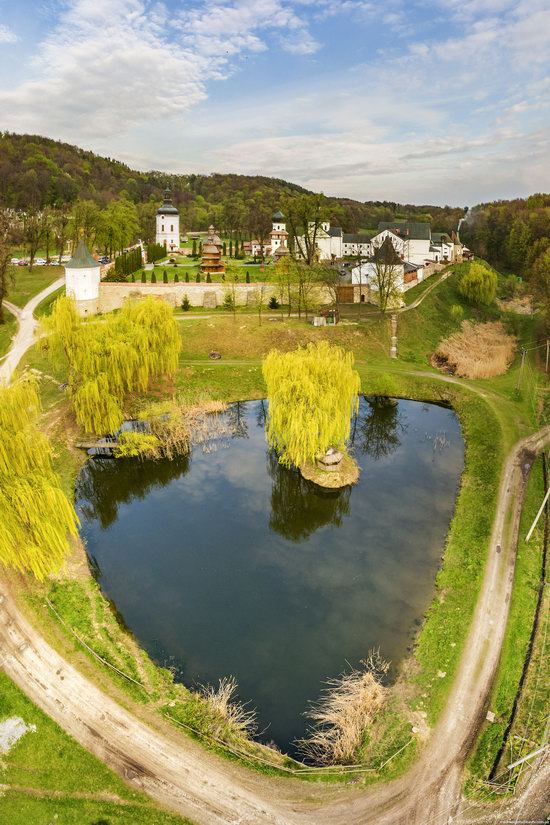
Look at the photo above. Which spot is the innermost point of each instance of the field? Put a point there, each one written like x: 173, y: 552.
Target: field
x: 27, y: 284
x: 494, y: 413
x: 47, y: 777
x: 7, y: 331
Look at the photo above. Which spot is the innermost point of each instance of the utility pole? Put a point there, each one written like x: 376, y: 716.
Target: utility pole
x: 518, y: 385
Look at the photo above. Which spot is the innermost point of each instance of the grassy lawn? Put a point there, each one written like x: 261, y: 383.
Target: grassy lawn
x: 7, y: 331
x: 493, y: 416
x: 44, y: 307
x: 46, y: 772
x: 27, y: 284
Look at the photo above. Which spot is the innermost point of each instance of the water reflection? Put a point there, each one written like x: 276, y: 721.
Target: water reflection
x: 299, y: 507
x: 377, y: 427
x: 105, y: 483
x: 228, y: 564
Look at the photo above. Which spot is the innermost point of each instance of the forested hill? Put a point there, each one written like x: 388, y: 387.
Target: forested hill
x: 37, y: 172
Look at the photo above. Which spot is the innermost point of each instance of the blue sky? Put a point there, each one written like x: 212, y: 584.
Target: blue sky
x: 422, y: 101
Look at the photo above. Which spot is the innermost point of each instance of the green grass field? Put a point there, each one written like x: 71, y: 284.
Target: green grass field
x: 28, y: 284
x: 493, y: 414
x: 48, y: 777
x: 7, y: 331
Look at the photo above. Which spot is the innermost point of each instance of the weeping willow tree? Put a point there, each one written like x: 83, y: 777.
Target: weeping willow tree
x: 35, y: 514
x: 110, y: 359
x: 312, y: 392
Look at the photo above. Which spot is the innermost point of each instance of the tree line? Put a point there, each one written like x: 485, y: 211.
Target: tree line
x: 37, y: 172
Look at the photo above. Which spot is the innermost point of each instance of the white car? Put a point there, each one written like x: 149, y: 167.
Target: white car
x: 14, y: 260
x: 40, y: 262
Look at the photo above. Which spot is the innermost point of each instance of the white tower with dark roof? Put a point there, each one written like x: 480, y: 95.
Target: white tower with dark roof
x: 168, y: 224
x: 82, y: 279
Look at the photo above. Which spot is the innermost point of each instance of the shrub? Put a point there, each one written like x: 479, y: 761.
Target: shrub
x: 198, y: 278
x: 186, y: 277
x: 153, y: 277
x: 208, y: 278
x: 133, y: 278
x: 273, y: 303
x: 185, y: 304
x: 478, y: 350
x: 165, y: 277
x: 228, y: 302
x: 143, y: 277
x: 247, y: 276
x: 457, y: 312
x: 176, y: 278
x: 137, y: 445
x: 478, y: 284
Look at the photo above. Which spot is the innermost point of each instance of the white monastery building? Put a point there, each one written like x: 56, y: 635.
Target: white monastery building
x: 82, y: 278
x: 413, y: 241
x: 277, y: 245
x: 168, y: 224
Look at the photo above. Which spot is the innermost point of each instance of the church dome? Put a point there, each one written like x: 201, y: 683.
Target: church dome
x: 167, y: 207
x: 277, y: 216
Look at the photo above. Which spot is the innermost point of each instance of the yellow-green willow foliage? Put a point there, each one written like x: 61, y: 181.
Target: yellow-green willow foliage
x: 312, y: 392
x: 113, y: 357
x: 35, y: 514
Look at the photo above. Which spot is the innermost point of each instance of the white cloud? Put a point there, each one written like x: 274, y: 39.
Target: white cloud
x: 109, y: 65
x: 7, y: 35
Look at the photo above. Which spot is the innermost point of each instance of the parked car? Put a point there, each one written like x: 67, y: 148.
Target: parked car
x: 23, y: 262
x: 40, y: 262
x: 14, y: 260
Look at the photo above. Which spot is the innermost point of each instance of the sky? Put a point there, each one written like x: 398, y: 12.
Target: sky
x: 414, y: 101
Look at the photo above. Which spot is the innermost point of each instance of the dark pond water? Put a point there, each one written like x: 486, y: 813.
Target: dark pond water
x: 226, y: 563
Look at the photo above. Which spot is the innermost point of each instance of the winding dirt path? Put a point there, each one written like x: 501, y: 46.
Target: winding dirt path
x: 24, y: 339
x: 209, y: 790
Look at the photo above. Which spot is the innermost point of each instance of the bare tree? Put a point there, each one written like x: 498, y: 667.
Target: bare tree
x: 36, y: 223
x: 260, y: 295
x: 61, y: 229
x: 6, y: 241
x: 304, y: 215
x: 388, y: 268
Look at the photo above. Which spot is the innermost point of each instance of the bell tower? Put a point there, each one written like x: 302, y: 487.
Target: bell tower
x: 168, y: 224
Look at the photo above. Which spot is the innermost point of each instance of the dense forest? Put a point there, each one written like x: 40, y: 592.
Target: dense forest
x: 37, y: 172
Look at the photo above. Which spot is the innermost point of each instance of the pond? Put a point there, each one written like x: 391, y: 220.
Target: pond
x: 227, y: 564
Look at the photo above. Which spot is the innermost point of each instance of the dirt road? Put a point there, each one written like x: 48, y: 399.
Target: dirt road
x: 26, y: 332
x: 212, y: 791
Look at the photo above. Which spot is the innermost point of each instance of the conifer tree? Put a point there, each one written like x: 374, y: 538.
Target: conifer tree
x: 208, y: 278
x: 143, y: 277
x: 198, y: 278
x: 186, y: 277
x: 153, y: 277
x: 247, y: 276
x: 165, y: 277
x: 176, y: 278
x: 230, y: 249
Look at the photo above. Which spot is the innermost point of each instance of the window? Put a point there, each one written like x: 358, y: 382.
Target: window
x: 162, y: 228
x: 172, y: 228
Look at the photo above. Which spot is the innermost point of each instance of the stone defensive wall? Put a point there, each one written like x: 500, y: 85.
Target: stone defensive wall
x: 112, y: 295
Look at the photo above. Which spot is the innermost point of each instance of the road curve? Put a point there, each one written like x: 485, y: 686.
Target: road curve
x: 212, y: 791
x: 26, y: 332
